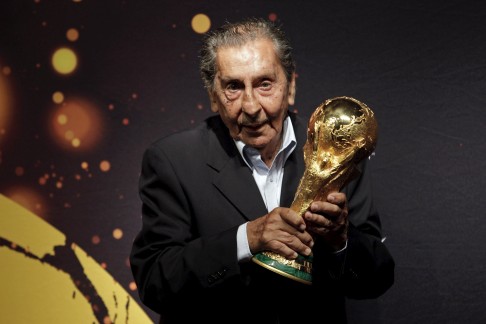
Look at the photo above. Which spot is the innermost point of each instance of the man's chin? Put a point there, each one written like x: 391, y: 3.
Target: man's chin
x: 256, y: 143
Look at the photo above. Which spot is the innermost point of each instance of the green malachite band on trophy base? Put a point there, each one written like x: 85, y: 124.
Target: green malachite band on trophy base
x: 292, y: 272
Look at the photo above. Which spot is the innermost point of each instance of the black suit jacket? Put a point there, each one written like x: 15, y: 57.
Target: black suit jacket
x: 196, y: 190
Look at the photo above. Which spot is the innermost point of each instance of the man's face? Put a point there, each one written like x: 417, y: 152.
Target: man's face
x: 251, y: 93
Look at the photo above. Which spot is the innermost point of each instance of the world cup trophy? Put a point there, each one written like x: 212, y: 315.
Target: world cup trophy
x: 341, y: 132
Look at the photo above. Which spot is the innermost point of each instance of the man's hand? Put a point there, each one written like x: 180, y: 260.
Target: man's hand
x: 281, y: 231
x: 329, y: 220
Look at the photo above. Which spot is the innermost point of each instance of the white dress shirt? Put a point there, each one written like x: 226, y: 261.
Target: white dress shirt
x: 268, y: 179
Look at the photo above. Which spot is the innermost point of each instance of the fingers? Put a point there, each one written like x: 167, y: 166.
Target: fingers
x: 290, y: 246
x: 281, y: 231
x: 285, y: 232
x: 337, y: 198
x: 291, y: 219
x: 329, y: 219
x: 332, y: 209
x: 289, y: 237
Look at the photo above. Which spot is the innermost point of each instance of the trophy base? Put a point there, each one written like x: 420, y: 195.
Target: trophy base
x: 299, y: 269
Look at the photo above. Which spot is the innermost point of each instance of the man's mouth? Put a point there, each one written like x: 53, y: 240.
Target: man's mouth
x: 254, y: 126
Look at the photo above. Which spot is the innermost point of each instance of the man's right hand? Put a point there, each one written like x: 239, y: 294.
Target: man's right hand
x: 281, y: 231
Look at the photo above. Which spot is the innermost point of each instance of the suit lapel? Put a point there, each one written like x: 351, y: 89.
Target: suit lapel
x: 290, y: 181
x: 233, y: 177
x: 294, y: 167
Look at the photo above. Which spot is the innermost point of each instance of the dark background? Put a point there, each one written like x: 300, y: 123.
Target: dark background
x: 420, y: 65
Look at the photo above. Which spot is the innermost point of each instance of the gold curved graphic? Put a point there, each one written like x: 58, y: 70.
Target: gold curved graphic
x: 46, y: 279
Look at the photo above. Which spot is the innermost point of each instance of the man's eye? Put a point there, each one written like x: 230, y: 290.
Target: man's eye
x: 232, y: 86
x: 266, y: 85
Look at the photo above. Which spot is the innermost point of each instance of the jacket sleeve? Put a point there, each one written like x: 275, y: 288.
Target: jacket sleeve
x: 365, y: 269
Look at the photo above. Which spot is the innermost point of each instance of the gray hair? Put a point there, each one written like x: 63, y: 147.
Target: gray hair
x: 238, y: 34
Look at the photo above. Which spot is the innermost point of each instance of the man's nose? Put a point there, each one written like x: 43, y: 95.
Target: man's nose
x: 250, y: 105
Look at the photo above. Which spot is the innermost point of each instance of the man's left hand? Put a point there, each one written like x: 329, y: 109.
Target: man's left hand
x: 329, y: 220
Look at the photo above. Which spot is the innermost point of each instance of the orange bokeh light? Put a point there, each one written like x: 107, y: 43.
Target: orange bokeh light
x: 76, y: 125
x: 19, y: 171
x: 58, y: 97
x: 72, y: 34
x: 132, y: 286
x: 117, y: 233
x: 105, y: 166
x: 200, y: 23
x: 95, y: 239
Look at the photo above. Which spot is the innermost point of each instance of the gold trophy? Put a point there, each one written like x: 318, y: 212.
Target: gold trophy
x: 341, y: 132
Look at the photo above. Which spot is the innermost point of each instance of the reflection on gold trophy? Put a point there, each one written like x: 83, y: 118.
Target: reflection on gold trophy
x: 341, y: 132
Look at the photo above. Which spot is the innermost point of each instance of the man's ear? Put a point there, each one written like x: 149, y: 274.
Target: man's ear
x: 214, y: 101
x: 292, y: 88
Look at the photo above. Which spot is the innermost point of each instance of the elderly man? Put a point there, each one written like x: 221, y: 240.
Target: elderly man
x: 216, y: 195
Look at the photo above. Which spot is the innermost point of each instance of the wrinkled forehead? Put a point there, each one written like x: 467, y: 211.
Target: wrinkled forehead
x: 255, y: 58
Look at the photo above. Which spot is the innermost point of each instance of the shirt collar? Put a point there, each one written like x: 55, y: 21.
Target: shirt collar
x: 288, y: 144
